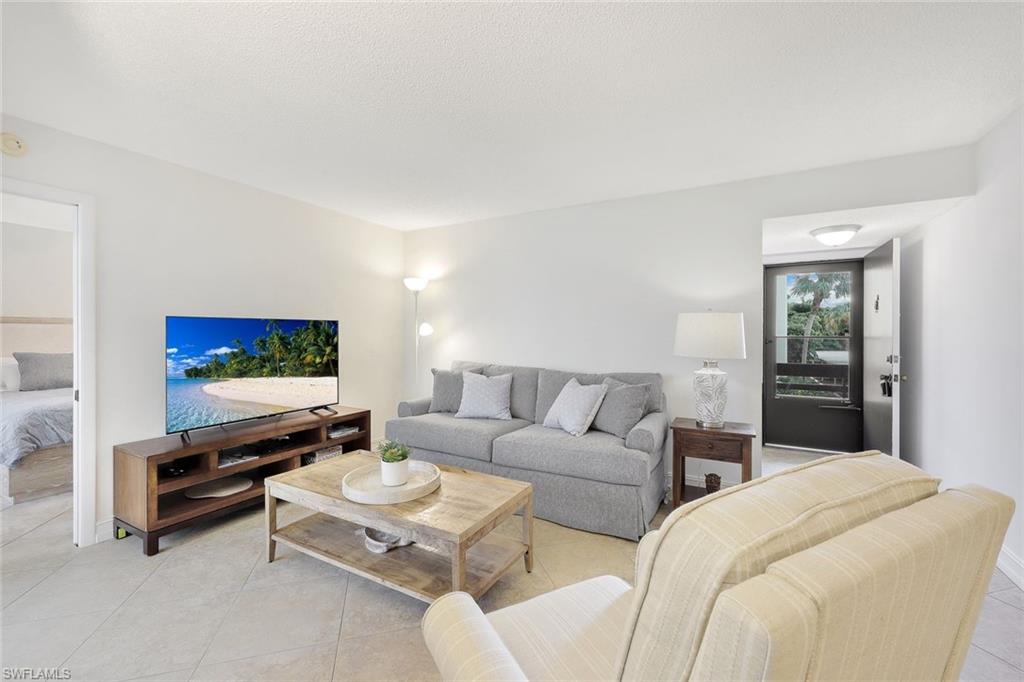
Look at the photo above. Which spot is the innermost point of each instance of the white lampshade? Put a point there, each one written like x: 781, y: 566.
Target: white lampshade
x: 426, y: 329
x: 415, y: 283
x: 710, y: 336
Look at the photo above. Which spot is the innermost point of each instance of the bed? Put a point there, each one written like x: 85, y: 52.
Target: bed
x: 35, y: 444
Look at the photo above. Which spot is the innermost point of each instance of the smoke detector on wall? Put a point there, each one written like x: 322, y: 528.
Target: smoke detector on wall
x: 835, y: 235
x: 12, y: 145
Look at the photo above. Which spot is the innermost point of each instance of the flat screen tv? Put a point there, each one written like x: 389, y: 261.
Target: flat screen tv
x: 229, y: 369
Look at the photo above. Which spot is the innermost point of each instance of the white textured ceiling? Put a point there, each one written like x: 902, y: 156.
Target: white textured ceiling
x: 415, y: 115
x: 879, y: 224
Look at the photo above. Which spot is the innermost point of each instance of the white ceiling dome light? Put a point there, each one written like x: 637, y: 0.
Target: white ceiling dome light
x: 835, y: 235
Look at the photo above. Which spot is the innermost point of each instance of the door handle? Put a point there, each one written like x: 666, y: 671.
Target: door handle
x: 844, y: 408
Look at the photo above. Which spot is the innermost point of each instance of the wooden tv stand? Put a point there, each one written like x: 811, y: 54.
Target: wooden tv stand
x: 150, y: 502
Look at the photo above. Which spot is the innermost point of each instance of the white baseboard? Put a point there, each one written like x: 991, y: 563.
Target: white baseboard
x: 104, y: 531
x: 1012, y: 565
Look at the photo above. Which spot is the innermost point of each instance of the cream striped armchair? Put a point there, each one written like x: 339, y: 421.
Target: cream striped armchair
x: 851, y: 567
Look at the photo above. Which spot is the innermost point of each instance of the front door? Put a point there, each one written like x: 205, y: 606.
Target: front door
x: 882, y: 349
x: 813, y: 355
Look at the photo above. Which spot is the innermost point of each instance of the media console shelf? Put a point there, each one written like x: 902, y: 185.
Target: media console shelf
x: 151, y: 476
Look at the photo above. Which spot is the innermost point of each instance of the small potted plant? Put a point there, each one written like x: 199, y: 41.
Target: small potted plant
x: 394, y: 463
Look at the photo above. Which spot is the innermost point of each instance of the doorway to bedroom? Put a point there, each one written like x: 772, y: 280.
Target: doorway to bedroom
x: 40, y: 339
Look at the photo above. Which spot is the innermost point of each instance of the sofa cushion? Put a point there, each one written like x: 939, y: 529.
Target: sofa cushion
x: 724, y: 539
x: 442, y: 432
x: 595, y: 455
x: 524, y: 385
x: 551, y: 381
x: 576, y: 407
x: 623, y: 406
x: 485, y: 397
x: 447, y: 393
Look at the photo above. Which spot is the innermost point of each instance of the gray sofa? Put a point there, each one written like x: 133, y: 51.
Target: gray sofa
x: 596, y: 482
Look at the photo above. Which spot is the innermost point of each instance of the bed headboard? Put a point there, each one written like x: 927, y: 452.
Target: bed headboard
x: 35, y: 335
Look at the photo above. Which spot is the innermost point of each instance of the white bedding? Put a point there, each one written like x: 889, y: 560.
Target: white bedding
x: 33, y: 420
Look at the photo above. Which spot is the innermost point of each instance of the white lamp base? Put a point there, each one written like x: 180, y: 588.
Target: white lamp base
x: 709, y: 387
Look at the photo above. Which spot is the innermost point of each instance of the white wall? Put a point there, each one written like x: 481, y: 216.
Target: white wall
x: 962, y: 345
x: 35, y: 282
x: 597, y: 287
x: 175, y: 241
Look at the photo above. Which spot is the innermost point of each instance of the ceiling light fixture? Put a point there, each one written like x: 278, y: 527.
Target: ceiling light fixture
x: 835, y: 235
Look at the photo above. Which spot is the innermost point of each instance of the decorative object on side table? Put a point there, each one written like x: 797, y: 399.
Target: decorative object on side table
x: 394, y: 463
x: 711, y: 337
x: 712, y: 483
x: 732, y: 443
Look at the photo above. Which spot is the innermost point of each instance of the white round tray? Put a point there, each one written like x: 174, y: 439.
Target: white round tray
x: 363, y: 484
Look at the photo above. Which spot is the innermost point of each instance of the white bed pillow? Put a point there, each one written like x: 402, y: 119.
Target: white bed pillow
x: 575, y: 407
x: 485, y: 397
x: 10, y: 377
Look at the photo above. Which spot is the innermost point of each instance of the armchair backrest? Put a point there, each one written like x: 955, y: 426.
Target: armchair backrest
x: 725, y: 539
x: 896, y: 598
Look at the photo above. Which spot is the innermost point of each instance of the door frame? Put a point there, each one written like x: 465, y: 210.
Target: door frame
x: 84, y: 529
x: 856, y: 339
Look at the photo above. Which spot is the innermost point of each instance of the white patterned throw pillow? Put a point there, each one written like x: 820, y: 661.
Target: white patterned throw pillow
x: 485, y: 397
x: 575, y: 407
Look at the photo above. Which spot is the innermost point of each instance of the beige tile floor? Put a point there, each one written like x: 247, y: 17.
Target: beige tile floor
x: 775, y: 459
x: 208, y: 607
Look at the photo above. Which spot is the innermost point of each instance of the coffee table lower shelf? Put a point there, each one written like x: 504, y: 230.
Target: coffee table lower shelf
x: 417, y: 571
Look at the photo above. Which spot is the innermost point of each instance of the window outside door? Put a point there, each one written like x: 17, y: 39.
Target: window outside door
x: 813, y: 383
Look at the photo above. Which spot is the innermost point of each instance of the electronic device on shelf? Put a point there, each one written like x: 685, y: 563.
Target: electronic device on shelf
x: 338, y: 432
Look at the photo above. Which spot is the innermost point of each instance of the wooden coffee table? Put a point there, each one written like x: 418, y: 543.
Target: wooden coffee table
x: 454, y: 548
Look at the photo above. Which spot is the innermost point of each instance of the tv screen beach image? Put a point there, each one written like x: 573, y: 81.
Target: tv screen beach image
x: 222, y: 369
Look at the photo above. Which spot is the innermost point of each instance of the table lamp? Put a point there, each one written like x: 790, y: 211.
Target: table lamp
x: 710, y: 337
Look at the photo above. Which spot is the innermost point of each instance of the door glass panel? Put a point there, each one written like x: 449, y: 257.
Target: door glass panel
x: 812, y: 342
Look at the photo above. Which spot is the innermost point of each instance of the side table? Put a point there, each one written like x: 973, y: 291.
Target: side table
x: 732, y: 443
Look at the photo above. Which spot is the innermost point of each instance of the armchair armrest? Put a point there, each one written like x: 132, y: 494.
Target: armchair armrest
x: 643, y: 554
x: 464, y: 644
x: 649, y: 433
x: 413, y: 408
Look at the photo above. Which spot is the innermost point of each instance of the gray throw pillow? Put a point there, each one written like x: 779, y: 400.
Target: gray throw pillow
x: 485, y: 397
x: 447, y: 395
x: 575, y: 407
x: 624, y: 405
x: 43, y: 371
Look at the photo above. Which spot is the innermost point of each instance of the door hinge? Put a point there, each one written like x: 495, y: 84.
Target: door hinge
x: 76, y: 395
